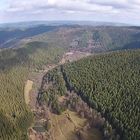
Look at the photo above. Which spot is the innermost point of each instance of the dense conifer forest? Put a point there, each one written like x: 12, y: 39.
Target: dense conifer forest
x: 110, y: 83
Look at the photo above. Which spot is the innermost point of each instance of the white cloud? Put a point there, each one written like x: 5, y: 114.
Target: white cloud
x: 61, y: 4
x: 102, y: 6
x: 124, y: 10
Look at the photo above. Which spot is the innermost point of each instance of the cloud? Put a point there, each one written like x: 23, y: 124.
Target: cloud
x: 77, y: 5
x: 74, y: 5
x: 124, y: 10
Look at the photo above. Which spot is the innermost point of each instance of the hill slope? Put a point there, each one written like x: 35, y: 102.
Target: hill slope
x: 15, y: 67
x: 93, y: 39
x: 10, y: 36
x: 110, y: 83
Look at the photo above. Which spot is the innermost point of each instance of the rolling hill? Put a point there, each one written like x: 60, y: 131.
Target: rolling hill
x: 10, y: 36
x: 93, y: 38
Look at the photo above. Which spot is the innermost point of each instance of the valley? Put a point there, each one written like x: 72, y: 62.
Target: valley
x: 70, y: 83
x: 65, y: 125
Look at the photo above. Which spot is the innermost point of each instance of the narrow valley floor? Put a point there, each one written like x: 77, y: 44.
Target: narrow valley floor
x: 67, y: 126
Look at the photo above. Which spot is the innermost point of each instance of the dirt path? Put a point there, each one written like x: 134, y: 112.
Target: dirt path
x: 36, y: 78
x: 27, y: 89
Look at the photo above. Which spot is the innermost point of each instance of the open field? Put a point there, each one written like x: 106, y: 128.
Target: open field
x: 73, y: 56
x: 66, y: 126
x: 27, y: 89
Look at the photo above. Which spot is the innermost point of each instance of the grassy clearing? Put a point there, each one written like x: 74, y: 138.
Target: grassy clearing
x: 27, y: 89
x: 64, y: 127
x: 76, y: 120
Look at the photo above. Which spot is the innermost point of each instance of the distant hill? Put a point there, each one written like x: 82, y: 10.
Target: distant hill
x: 58, y: 23
x: 10, y: 36
x: 93, y: 39
x: 102, y: 36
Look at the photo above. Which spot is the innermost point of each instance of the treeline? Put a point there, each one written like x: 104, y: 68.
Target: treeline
x: 110, y: 83
x: 15, y: 66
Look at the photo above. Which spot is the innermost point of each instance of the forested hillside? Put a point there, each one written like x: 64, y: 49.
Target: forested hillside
x: 109, y: 83
x: 117, y: 38
x: 10, y: 36
x: 15, y: 66
x: 93, y: 39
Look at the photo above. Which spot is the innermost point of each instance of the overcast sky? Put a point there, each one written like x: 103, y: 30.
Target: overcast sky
x: 123, y: 11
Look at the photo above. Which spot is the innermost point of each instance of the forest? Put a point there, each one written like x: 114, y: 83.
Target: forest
x: 109, y: 83
x: 15, y: 67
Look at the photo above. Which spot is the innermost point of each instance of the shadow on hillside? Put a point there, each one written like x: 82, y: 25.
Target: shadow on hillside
x: 17, y: 34
x: 21, y: 55
x: 132, y: 45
